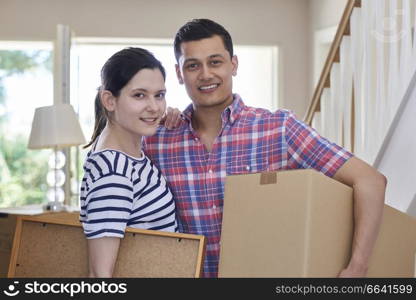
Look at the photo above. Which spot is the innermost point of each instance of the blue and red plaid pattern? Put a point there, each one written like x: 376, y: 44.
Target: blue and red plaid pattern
x: 251, y: 140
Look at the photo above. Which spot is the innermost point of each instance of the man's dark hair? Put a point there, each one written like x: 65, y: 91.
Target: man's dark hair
x: 198, y: 29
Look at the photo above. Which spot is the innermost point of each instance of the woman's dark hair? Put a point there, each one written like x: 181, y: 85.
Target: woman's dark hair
x: 118, y: 70
x: 198, y: 29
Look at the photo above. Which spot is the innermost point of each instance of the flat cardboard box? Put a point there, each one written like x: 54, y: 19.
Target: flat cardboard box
x: 299, y: 223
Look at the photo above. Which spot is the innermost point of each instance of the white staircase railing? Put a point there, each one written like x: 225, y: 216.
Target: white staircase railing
x: 366, y: 75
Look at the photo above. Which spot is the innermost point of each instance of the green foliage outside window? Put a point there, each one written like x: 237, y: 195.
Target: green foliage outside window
x: 22, y: 171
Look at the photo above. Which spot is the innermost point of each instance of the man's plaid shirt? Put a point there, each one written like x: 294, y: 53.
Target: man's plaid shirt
x: 251, y: 140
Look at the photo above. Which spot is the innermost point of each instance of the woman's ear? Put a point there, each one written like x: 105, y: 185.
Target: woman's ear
x: 108, y: 100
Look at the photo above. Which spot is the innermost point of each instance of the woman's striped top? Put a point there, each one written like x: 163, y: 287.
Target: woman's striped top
x: 118, y: 191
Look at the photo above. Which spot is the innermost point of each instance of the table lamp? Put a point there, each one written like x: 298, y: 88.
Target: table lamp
x: 56, y: 127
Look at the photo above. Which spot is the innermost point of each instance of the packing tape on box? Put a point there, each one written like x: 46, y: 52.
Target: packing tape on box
x: 268, y: 178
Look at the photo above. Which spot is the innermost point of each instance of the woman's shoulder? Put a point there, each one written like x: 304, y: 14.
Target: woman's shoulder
x: 109, y: 162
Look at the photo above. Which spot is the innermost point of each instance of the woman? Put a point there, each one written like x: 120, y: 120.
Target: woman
x: 121, y: 186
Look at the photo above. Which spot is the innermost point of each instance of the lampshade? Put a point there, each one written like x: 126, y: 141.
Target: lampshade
x: 55, y: 126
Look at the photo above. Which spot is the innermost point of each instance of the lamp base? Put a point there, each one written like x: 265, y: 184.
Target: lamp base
x: 54, y: 206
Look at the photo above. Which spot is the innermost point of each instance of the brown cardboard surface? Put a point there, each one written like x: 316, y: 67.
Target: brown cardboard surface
x: 55, y: 246
x: 395, y: 248
x: 302, y: 226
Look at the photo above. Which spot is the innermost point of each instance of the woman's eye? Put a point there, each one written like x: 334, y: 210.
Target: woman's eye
x: 161, y: 95
x: 139, y: 95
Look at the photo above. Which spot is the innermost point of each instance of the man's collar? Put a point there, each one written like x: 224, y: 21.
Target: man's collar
x: 230, y: 113
x: 235, y: 108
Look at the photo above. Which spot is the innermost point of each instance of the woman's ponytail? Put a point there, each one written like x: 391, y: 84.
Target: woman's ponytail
x: 100, y: 119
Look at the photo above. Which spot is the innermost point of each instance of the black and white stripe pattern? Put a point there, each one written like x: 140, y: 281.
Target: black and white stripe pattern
x: 118, y: 191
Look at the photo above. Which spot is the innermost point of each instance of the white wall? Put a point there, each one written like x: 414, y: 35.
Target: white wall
x: 396, y: 157
x: 274, y: 22
x: 324, y: 14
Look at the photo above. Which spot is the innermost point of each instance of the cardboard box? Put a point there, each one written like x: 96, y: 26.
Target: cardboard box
x: 395, y: 249
x: 300, y: 224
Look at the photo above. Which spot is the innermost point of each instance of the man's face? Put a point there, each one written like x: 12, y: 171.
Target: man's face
x: 206, y: 69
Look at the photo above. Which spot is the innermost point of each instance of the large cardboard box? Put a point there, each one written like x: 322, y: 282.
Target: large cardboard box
x: 300, y: 224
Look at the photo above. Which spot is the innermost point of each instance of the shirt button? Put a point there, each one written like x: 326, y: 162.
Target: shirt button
x: 248, y: 168
x: 196, y: 139
x: 210, y: 171
x: 214, y: 206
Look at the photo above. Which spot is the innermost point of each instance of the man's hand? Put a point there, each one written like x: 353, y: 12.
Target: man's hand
x: 172, y: 118
x: 354, y: 271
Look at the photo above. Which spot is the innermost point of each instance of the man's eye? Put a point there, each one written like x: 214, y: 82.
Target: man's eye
x: 216, y: 62
x: 139, y: 95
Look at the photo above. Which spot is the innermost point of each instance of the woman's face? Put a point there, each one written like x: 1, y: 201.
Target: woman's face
x: 141, y: 103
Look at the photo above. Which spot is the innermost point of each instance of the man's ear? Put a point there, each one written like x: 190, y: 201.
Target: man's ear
x: 178, y: 74
x: 234, y: 62
x: 108, y: 100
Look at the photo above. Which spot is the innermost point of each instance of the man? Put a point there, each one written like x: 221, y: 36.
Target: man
x: 222, y: 136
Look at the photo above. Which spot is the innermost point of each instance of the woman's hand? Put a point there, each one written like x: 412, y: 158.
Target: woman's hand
x: 172, y: 119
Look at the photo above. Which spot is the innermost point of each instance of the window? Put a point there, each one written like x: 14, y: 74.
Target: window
x: 257, y: 79
x: 25, y: 83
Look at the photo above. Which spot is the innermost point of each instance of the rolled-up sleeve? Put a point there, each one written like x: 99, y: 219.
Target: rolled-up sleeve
x: 307, y: 149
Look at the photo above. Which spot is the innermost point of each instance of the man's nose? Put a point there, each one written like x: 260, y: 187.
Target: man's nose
x: 205, y: 73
